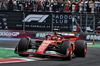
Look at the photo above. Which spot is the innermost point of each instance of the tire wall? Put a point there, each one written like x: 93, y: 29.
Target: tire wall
x: 41, y: 34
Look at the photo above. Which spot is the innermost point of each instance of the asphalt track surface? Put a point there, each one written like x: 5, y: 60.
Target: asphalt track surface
x: 92, y: 58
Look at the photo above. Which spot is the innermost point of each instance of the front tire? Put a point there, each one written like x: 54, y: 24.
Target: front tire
x: 66, y: 49
x: 80, y: 48
x: 23, y: 45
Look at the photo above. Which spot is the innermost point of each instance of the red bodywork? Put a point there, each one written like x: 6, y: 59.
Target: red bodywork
x: 50, y: 41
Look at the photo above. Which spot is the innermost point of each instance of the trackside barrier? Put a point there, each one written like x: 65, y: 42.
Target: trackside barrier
x: 93, y: 38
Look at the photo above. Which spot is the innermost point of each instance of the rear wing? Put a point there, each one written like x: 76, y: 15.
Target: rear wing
x: 66, y: 34
x: 79, y: 36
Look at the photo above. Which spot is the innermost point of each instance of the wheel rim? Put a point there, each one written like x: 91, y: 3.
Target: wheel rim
x: 71, y: 53
x: 85, y: 49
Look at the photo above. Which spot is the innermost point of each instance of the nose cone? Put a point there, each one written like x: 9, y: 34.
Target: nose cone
x: 42, y: 48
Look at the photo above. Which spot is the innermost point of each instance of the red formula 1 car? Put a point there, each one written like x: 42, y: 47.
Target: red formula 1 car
x: 63, y: 45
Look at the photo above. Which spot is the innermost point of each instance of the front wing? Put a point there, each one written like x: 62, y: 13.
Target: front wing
x: 46, y: 53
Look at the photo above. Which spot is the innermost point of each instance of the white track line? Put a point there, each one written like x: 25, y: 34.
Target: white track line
x: 27, y: 60
x: 7, y: 48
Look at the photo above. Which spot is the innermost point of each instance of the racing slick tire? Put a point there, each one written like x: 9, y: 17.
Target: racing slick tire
x: 80, y: 48
x: 64, y: 46
x: 23, y: 45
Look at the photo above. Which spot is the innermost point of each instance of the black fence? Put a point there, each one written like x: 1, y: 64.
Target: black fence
x: 44, y: 21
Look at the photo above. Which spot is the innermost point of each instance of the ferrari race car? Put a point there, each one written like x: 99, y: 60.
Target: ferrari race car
x: 64, y: 45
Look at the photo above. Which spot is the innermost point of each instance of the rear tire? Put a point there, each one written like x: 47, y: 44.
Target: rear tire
x: 80, y: 48
x: 23, y: 45
x: 64, y: 46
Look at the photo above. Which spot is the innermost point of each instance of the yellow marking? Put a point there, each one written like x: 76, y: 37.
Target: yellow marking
x: 56, y: 29
x: 44, y: 44
x: 73, y: 47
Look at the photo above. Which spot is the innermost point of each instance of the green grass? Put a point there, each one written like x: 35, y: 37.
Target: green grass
x: 94, y: 45
x: 7, y: 53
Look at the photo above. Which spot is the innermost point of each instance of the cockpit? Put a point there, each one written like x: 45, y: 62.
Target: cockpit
x: 53, y: 37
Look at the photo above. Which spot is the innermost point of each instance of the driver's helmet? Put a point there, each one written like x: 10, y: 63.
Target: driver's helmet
x: 48, y: 37
x: 54, y: 38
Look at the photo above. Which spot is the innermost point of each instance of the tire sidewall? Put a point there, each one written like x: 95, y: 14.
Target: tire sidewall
x: 23, y: 44
x: 79, y: 48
